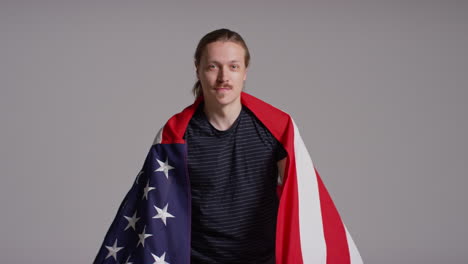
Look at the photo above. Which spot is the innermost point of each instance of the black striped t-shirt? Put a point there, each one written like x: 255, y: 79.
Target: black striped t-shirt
x: 233, y: 176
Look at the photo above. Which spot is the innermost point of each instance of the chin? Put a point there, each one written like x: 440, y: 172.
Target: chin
x: 226, y: 98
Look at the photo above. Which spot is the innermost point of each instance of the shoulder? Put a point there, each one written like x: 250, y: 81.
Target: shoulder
x: 275, y: 120
x: 174, y: 129
x: 262, y: 109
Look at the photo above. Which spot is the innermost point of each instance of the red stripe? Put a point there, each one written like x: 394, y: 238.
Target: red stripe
x: 333, y: 228
x: 288, y: 241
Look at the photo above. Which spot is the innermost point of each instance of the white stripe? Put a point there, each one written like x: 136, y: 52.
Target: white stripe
x: 158, y: 138
x: 310, y: 216
x: 353, y: 251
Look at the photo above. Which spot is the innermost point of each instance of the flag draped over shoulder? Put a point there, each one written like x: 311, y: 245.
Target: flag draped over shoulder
x: 153, y: 222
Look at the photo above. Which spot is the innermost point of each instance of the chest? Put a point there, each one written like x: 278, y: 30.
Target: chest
x: 243, y: 157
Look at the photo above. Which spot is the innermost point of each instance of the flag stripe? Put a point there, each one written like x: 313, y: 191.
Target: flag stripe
x: 310, y: 215
x: 335, y: 235
x: 288, y: 236
x: 353, y: 251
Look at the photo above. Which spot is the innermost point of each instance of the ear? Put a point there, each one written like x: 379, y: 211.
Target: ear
x: 245, y: 74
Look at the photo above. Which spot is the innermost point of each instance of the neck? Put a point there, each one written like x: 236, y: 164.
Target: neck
x: 222, y: 117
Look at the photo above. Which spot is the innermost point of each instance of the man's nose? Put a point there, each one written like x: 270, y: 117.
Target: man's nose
x: 223, y: 75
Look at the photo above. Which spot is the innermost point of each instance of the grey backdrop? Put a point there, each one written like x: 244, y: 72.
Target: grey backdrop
x: 377, y: 88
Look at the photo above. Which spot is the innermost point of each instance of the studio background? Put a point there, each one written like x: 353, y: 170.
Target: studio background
x: 378, y: 90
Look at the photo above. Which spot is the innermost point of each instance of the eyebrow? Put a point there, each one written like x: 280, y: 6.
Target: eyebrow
x: 213, y: 61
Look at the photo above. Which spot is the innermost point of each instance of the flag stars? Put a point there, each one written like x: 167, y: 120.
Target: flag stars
x: 113, y: 250
x: 162, y: 213
x: 159, y: 260
x: 142, y: 237
x: 147, y: 190
x: 164, y: 167
x: 131, y: 221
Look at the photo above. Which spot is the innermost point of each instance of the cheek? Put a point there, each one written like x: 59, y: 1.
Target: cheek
x: 208, y: 76
x: 208, y: 80
x: 240, y: 77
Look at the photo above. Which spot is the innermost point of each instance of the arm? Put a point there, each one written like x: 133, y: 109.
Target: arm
x: 281, y: 167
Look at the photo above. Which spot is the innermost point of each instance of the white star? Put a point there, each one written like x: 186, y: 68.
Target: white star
x: 142, y: 237
x: 147, y: 190
x: 162, y: 213
x: 113, y: 250
x: 159, y: 260
x: 138, y: 176
x: 164, y: 167
x: 131, y: 221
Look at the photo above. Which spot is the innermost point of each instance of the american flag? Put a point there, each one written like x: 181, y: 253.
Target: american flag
x: 153, y: 222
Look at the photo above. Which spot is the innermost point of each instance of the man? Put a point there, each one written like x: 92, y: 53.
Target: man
x: 231, y: 161
x: 224, y: 181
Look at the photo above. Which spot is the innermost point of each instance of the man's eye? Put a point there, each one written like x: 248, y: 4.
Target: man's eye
x: 235, y: 66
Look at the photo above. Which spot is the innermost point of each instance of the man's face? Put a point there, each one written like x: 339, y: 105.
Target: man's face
x: 222, y: 73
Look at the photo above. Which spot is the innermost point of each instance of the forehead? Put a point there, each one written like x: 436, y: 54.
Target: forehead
x: 223, y: 52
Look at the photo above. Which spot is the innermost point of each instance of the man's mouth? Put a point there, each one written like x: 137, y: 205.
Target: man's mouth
x: 223, y: 88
